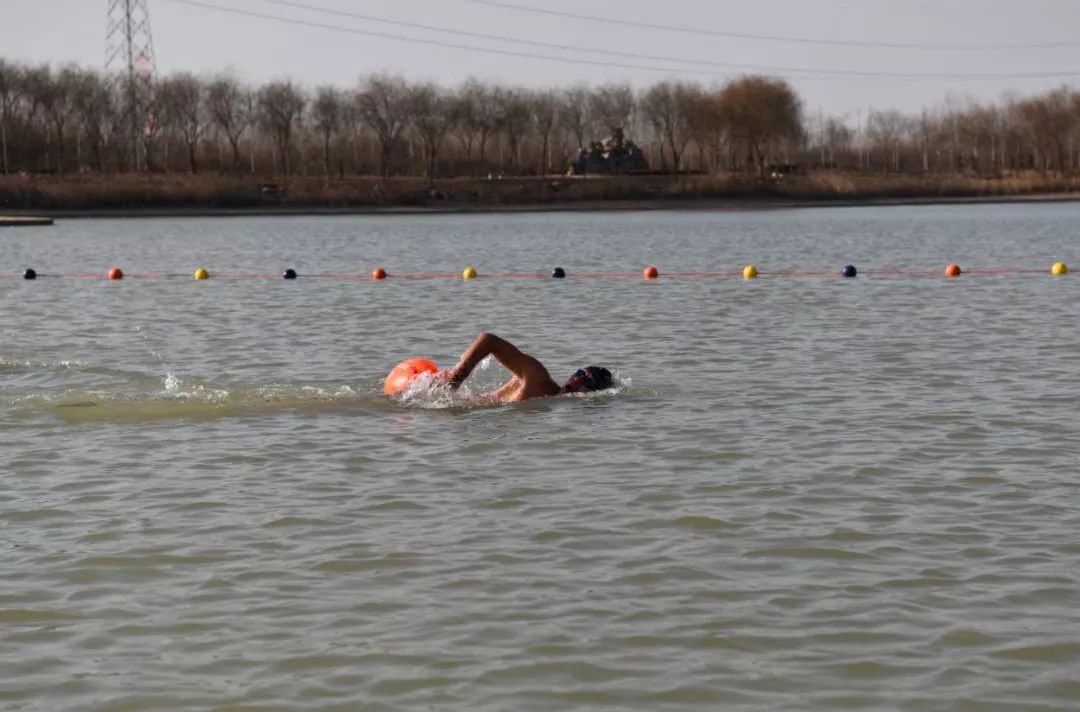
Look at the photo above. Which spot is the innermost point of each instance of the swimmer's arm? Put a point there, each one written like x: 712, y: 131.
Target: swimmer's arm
x: 521, y: 364
x: 507, y: 388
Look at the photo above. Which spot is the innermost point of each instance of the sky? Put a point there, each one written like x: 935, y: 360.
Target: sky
x: 835, y: 53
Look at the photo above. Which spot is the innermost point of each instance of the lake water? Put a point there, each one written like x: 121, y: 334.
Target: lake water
x: 808, y: 493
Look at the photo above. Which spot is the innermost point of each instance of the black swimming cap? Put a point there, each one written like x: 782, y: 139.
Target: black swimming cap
x: 601, y: 377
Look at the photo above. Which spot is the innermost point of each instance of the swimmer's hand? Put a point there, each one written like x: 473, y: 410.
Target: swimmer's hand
x: 522, y: 365
x: 453, y: 377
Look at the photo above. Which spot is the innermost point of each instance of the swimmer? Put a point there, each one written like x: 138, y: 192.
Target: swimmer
x: 530, y: 379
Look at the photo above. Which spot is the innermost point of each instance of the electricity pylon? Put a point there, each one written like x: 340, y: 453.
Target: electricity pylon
x: 129, y: 55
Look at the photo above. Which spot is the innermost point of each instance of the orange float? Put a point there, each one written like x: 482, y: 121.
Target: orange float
x: 379, y: 273
x: 406, y: 372
x: 650, y: 272
x: 116, y: 273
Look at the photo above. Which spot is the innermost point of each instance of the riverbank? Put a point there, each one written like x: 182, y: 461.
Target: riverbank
x: 186, y: 195
x: 23, y: 221
x: 699, y: 204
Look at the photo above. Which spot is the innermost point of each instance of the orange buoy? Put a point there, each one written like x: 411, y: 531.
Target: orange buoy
x: 379, y: 273
x: 651, y: 272
x: 406, y: 372
x: 953, y: 270
x: 116, y: 273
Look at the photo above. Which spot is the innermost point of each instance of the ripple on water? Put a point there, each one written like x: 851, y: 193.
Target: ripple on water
x: 1067, y: 651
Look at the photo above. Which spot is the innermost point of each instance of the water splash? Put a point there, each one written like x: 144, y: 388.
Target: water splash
x: 15, y: 365
x: 431, y: 392
x: 178, y: 389
x: 428, y: 391
x: 143, y: 399
x: 140, y: 397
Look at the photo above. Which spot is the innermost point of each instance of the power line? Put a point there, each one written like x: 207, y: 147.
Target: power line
x: 778, y: 38
x: 519, y: 41
x: 573, y: 48
x: 432, y: 43
x: 498, y: 38
x: 829, y: 73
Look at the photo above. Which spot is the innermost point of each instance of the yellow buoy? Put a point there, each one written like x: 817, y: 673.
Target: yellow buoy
x: 1059, y: 269
x: 201, y: 273
x: 469, y: 273
x: 749, y: 272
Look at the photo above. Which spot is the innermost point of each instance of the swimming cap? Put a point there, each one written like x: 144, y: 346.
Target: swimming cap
x: 601, y: 377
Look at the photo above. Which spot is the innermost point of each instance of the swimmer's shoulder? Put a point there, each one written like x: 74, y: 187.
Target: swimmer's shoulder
x: 537, y: 389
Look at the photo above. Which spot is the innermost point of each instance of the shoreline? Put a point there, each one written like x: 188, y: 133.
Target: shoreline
x: 24, y: 220
x: 17, y: 217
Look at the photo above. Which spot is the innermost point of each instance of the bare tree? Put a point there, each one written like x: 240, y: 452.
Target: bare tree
x: 612, y: 105
x: 515, y: 118
x: 10, y: 91
x: 328, y: 116
x: 1075, y: 109
x: 55, y: 96
x: 52, y: 120
x: 1050, y: 121
x: 1061, y: 124
x: 36, y: 84
x: 1016, y: 147
x: 978, y: 133
x: 477, y: 117
x: 668, y: 107
x: 383, y: 105
x: 98, y: 110
x: 350, y: 131
x: 574, y: 114
x: 761, y: 113
x: 182, y: 98
x: 232, y: 108
x: 1032, y: 114
x: 63, y: 108
x: 545, y: 106
x: 838, y: 138
x: 431, y: 113
x: 706, y: 125
x: 464, y: 111
x: 886, y: 129
x: 280, y: 107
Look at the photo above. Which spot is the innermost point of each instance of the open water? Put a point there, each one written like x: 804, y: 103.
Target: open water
x: 808, y: 493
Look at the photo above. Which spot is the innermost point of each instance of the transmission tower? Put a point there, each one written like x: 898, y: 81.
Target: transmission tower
x: 129, y: 56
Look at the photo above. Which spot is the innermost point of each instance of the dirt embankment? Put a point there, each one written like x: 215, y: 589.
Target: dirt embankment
x: 183, y: 194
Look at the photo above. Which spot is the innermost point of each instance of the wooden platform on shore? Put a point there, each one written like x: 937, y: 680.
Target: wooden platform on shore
x: 24, y: 221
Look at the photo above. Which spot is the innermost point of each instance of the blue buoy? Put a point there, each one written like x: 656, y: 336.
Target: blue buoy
x: 850, y: 271
x: 289, y: 274
x: 558, y: 273
x: 29, y: 273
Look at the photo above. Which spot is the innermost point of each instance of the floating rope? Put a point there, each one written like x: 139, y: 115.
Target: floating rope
x: 650, y: 273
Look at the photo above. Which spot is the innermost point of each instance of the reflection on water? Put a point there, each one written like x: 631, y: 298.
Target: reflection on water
x: 807, y: 492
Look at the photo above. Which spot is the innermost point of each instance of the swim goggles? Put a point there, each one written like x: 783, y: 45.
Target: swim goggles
x: 586, y: 378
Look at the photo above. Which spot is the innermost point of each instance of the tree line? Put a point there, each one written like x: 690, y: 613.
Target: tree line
x: 72, y: 119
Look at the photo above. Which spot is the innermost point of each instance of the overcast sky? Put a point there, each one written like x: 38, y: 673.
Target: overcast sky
x: 332, y: 48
